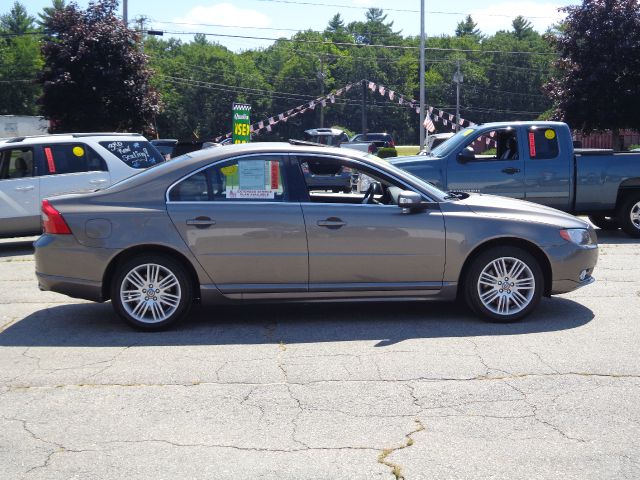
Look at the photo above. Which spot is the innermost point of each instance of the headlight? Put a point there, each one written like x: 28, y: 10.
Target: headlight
x: 579, y: 236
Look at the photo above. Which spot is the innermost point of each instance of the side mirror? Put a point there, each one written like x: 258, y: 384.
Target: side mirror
x: 466, y: 155
x: 410, y: 201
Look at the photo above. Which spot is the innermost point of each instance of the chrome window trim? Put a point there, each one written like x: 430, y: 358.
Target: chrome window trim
x: 221, y: 160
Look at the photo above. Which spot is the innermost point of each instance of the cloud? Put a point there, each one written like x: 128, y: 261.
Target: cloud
x: 541, y: 15
x: 225, y: 14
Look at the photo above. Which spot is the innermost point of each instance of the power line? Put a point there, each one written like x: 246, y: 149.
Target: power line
x: 346, y: 44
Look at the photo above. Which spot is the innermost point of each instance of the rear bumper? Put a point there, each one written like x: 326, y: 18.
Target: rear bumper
x: 72, y: 287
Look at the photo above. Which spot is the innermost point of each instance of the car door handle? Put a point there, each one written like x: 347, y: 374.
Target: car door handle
x: 331, y: 222
x: 26, y: 188
x: 97, y: 181
x: 511, y: 170
x: 201, y: 222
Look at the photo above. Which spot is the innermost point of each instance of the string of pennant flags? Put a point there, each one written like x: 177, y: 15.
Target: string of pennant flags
x: 435, y: 114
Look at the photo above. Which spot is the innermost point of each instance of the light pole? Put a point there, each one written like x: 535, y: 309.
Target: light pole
x: 458, y: 79
x: 422, y: 111
x: 125, y: 12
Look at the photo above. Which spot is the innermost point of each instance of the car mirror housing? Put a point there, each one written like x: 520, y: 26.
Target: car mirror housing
x: 411, y: 201
x: 466, y: 155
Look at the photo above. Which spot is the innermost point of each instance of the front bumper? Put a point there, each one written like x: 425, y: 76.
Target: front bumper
x: 572, y: 267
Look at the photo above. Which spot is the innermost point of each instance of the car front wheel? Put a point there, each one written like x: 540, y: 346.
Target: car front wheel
x: 504, y: 284
x: 151, y: 292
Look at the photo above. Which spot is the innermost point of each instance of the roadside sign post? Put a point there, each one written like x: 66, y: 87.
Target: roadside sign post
x: 241, y: 123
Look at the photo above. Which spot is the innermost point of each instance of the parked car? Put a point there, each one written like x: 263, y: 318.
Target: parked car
x: 228, y: 225
x: 171, y: 148
x: 435, y: 140
x: 536, y: 161
x: 33, y: 168
x: 165, y: 146
x: 380, y: 140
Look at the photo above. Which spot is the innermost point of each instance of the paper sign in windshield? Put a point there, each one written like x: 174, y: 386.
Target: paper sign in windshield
x: 251, y: 194
x: 252, y: 174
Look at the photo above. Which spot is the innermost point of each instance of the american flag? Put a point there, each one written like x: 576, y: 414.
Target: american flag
x: 428, y: 123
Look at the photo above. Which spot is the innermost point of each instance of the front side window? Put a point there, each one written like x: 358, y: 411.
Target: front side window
x: 495, y: 145
x: 136, y: 154
x: 543, y: 143
x: 16, y: 163
x: 71, y: 158
x: 330, y: 180
x: 259, y: 178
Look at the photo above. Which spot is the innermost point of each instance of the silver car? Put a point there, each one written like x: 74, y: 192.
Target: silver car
x: 241, y: 224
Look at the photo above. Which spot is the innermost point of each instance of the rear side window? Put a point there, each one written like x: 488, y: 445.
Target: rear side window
x: 16, y: 163
x: 250, y: 179
x: 71, y: 158
x: 136, y: 154
x: 543, y: 143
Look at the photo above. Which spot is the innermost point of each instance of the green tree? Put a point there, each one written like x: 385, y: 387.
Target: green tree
x: 522, y: 28
x: 17, y: 21
x: 468, y: 27
x: 95, y: 76
x: 48, y: 12
x: 597, y: 85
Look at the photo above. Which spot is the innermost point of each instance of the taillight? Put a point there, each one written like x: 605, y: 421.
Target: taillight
x: 392, y: 144
x: 52, y: 221
x: 372, y: 148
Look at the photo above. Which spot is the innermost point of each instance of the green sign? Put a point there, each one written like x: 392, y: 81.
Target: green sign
x: 241, y: 123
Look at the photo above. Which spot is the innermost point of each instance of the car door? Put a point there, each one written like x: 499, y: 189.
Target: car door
x: 71, y: 168
x: 236, y: 218
x: 369, y: 247
x: 495, y: 169
x: 549, y: 170
x: 19, y: 192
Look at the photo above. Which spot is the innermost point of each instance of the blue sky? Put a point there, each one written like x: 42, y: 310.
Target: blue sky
x: 276, y: 18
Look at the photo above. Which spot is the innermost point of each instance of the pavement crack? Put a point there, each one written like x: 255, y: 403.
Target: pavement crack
x: 396, y: 469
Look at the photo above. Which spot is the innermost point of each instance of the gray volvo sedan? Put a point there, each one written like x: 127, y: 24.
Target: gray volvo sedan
x: 261, y: 222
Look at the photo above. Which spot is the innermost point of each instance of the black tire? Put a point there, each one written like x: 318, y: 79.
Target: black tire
x: 177, y: 307
x: 605, y: 223
x: 630, y: 206
x: 472, y: 288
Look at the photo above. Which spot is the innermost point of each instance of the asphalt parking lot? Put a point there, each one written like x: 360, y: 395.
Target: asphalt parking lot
x: 339, y: 391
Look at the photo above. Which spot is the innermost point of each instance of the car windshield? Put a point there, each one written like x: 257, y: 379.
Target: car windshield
x: 453, y: 143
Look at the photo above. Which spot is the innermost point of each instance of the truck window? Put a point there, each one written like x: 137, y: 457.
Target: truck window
x: 543, y: 143
x: 496, y: 145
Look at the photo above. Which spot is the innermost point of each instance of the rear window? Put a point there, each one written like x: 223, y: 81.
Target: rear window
x: 543, y: 143
x: 136, y: 154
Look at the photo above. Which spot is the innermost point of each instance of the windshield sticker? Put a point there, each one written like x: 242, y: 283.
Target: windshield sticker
x: 549, y: 134
x: 78, y: 151
x: 467, y: 132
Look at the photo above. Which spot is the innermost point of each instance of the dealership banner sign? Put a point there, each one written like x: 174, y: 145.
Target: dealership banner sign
x: 241, y: 123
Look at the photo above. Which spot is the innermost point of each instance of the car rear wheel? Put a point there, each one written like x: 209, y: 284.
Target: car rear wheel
x: 629, y: 215
x: 151, y: 292
x: 504, y: 284
x: 604, y: 223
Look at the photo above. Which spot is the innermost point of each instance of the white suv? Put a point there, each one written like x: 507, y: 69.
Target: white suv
x: 33, y: 168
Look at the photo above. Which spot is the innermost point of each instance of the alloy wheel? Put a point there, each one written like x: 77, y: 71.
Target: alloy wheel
x: 506, y: 286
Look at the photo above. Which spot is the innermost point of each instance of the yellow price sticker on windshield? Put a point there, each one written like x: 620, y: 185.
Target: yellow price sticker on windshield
x: 78, y: 151
x: 549, y: 134
x: 467, y: 132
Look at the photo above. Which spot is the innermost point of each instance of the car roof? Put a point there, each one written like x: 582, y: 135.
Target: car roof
x: 67, y: 137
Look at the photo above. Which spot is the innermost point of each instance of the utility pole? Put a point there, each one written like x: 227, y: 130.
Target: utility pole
x: 458, y: 78
x: 125, y: 12
x: 321, y: 77
x: 364, y: 106
x: 141, y: 20
x: 422, y: 110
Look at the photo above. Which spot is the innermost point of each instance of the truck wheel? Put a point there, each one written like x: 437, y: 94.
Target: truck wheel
x: 604, y: 223
x: 629, y: 215
x: 504, y: 284
x: 151, y: 292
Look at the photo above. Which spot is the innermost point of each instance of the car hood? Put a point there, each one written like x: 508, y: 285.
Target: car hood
x: 495, y: 206
x: 404, y: 162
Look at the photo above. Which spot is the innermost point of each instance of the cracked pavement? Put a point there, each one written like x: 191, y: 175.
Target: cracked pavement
x: 340, y: 391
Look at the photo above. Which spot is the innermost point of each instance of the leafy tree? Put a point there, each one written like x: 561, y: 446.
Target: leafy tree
x: 598, y: 81
x: 95, y: 76
x: 467, y: 27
